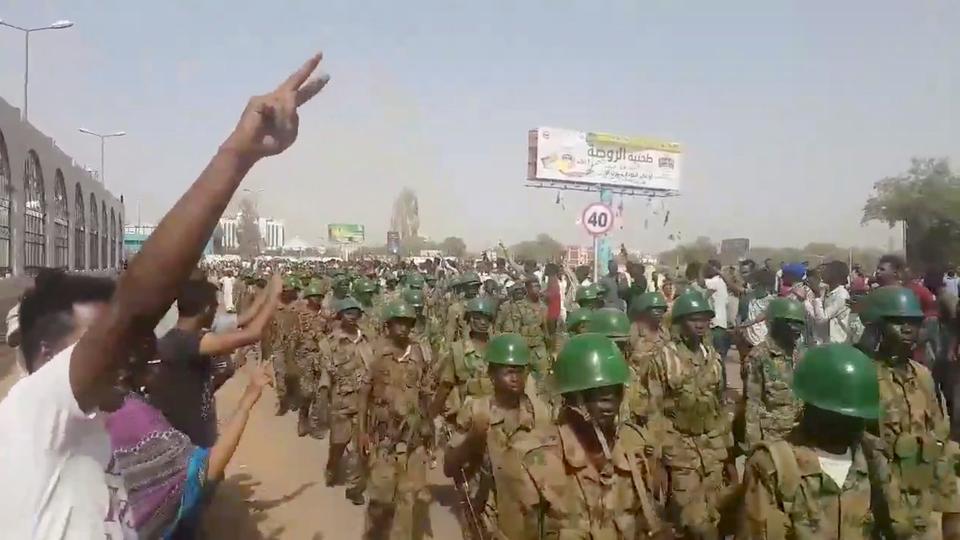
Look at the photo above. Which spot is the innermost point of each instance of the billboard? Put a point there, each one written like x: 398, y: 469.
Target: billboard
x: 602, y: 159
x: 344, y: 233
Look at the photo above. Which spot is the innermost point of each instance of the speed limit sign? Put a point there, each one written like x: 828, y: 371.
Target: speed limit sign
x: 598, y: 219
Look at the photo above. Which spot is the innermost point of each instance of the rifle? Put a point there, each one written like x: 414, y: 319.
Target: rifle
x: 473, y: 518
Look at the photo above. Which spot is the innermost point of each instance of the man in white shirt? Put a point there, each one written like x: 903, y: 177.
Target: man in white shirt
x: 226, y: 289
x: 831, y: 313
x: 53, y: 448
x: 718, y: 298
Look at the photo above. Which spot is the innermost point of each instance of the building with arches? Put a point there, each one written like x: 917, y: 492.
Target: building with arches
x: 53, y: 212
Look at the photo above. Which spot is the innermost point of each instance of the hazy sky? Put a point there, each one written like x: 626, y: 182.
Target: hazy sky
x: 788, y: 111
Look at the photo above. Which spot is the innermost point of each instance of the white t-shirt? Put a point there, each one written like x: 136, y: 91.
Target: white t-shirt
x: 835, y: 466
x: 718, y: 299
x: 52, y: 461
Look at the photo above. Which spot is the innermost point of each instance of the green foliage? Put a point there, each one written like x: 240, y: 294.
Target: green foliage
x: 927, y: 199
x: 543, y: 249
x: 702, y: 249
x: 453, y: 246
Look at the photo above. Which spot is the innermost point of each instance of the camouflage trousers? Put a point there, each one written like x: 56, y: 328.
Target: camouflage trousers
x: 696, y: 485
x: 396, y: 486
x: 540, y: 370
x: 287, y: 384
x: 343, y: 451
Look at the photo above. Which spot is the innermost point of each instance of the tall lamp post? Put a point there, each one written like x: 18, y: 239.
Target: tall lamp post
x: 103, y: 137
x: 58, y: 25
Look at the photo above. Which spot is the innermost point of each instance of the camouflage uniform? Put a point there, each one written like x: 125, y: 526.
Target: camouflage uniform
x: 509, y: 317
x: 463, y: 367
x: 915, y: 432
x: 788, y: 496
x: 455, y: 325
x: 397, y: 383
x: 562, y: 495
x: 644, y: 348
x: 500, y: 513
x: 313, y: 327
x: 533, y: 327
x: 341, y: 367
x: 771, y: 408
x: 686, y: 388
x: 284, y: 340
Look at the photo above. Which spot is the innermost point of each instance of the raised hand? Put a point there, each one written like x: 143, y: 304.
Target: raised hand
x: 269, y: 124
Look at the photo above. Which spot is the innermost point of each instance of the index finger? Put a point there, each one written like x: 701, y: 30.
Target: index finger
x: 298, y: 77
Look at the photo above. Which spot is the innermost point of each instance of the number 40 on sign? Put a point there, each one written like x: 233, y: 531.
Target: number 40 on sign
x: 598, y: 219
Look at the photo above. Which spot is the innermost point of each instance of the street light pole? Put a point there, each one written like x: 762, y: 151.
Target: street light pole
x: 103, y: 137
x: 58, y: 25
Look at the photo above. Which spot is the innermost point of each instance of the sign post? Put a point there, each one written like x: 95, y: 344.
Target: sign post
x: 597, y: 219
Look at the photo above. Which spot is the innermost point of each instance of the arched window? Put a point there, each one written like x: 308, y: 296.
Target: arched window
x: 113, y: 238
x: 34, y: 215
x: 61, y: 223
x: 94, y: 233
x: 79, y: 232
x: 6, y: 259
x: 104, y: 242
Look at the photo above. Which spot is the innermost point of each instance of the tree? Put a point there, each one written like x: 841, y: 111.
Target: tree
x: 453, y: 246
x: 700, y: 250
x: 543, y: 249
x: 406, y: 215
x: 926, y: 198
x: 248, y: 233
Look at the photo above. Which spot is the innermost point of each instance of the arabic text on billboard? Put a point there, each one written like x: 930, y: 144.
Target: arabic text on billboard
x: 563, y: 155
x: 345, y: 233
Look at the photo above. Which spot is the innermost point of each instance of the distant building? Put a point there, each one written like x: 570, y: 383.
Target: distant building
x: 134, y: 236
x: 272, y: 233
x: 53, y: 212
x: 579, y: 255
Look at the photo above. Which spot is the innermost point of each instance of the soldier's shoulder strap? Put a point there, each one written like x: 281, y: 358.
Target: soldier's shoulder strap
x: 787, y: 469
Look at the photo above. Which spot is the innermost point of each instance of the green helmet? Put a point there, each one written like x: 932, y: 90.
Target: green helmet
x: 414, y: 297
x: 482, y: 304
x: 508, y: 350
x: 838, y: 378
x: 313, y: 289
x: 364, y: 286
x: 589, y: 361
x: 587, y: 293
x: 786, y: 308
x: 399, y: 310
x: 291, y: 283
x: 689, y: 303
x: 347, y: 303
x: 414, y: 280
x: 610, y: 322
x: 891, y: 302
x: 578, y: 317
x: 469, y: 278
x: 646, y: 301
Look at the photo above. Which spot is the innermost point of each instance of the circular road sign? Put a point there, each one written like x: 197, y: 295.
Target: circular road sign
x: 598, y: 219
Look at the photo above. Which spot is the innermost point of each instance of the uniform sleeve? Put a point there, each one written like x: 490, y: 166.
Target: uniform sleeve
x: 447, y: 373
x: 453, y: 321
x: 655, y: 380
x: 753, y: 394
x: 461, y: 426
x: 761, y: 517
x: 321, y: 364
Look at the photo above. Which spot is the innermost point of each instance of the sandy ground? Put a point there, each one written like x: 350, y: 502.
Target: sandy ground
x: 274, y: 487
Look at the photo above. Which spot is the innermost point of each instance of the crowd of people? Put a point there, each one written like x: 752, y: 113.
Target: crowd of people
x: 559, y: 405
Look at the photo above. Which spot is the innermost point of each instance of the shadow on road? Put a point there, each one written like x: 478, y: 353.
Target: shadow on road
x: 237, y: 514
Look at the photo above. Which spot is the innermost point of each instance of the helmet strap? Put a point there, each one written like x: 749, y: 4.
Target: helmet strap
x: 581, y: 409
